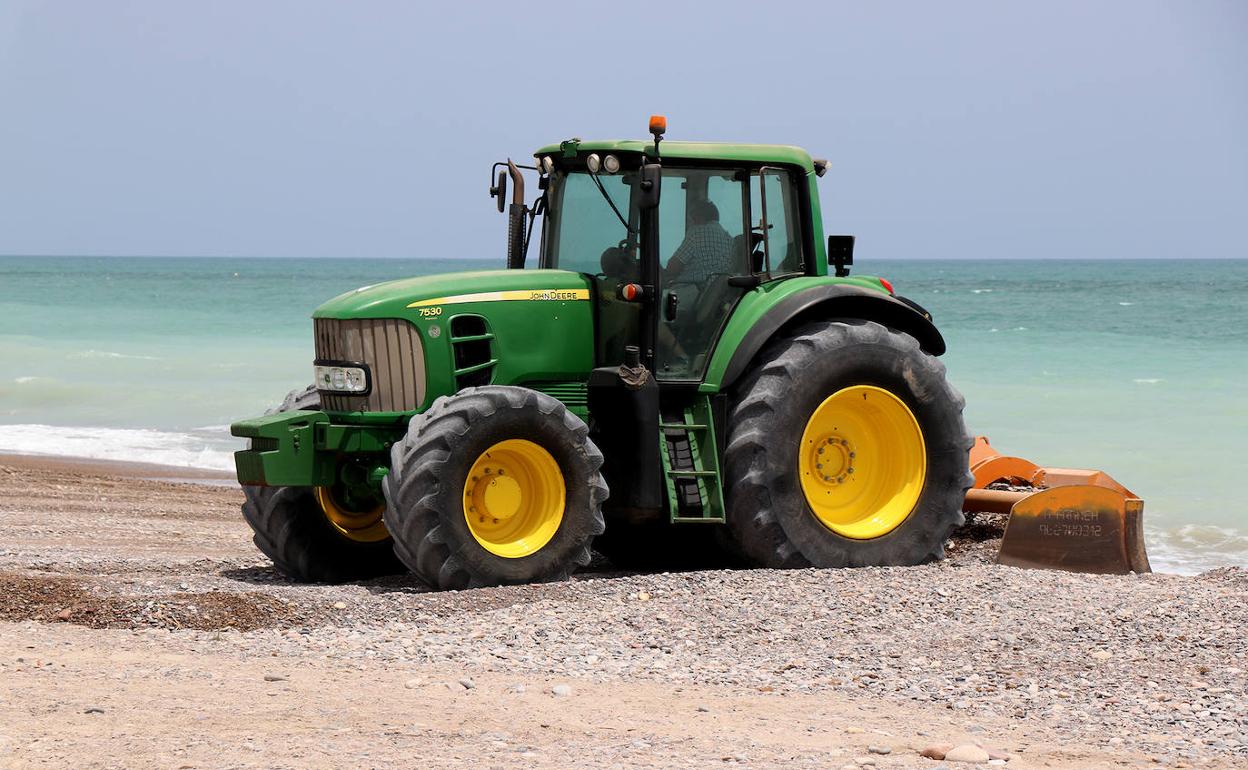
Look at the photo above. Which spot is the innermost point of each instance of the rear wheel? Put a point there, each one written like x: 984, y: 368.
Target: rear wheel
x: 847, y: 448
x: 494, y: 485
x: 319, y: 534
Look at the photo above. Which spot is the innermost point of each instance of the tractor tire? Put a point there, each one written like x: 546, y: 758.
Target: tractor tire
x: 291, y: 528
x: 820, y: 399
x: 494, y: 485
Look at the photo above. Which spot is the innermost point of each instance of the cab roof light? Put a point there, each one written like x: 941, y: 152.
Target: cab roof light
x: 658, y: 127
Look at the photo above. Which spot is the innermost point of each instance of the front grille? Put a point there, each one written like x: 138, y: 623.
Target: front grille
x: 393, y: 352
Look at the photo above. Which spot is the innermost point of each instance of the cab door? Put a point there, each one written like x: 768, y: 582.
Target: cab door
x: 584, y: 234
x: 703, y: 242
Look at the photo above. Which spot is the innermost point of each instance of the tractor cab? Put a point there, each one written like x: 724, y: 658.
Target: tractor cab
x: 672, y: 235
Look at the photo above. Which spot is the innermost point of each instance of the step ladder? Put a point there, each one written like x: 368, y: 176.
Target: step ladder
x: 690, y: 455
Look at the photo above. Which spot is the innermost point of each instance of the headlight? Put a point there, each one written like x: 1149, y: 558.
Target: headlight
x: 341, y: 378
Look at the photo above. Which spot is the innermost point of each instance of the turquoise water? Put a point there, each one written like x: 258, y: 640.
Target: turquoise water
x: 1138, y: 368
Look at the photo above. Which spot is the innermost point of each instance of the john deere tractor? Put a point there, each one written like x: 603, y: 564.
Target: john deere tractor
x: 684, y: 370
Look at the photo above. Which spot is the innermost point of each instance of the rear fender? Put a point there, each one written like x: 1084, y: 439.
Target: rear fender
x: 832, y: 301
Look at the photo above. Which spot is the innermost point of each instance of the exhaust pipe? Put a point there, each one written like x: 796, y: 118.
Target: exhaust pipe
x: 515, y: 219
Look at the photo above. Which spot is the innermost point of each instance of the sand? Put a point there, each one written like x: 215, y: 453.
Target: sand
x: 140, y: 628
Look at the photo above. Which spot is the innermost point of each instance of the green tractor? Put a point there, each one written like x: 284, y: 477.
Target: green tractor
x: 688, y: 375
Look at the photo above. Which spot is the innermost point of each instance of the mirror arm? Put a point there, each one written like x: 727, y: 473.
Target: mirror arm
x: 539, y: 207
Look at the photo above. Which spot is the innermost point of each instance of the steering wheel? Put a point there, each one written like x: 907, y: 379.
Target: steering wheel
x: 618, y: 262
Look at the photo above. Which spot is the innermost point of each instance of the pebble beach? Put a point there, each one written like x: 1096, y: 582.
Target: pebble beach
x: 140, y: 628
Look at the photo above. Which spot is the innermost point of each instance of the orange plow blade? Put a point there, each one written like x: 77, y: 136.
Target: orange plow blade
x: 1059, y: 518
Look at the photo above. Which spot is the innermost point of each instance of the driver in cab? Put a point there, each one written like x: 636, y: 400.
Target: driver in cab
x: 704, y: 251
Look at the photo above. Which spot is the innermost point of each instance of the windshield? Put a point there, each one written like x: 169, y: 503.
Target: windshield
x: 581, y: 227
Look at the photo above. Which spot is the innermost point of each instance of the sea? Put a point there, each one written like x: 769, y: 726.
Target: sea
x: 1138, y: 368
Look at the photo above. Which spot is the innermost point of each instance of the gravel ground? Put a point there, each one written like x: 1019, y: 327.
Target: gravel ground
x: 119, y: 595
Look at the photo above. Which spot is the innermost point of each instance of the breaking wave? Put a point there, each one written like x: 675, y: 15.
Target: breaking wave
x: 1195, y: 548
x: 210, y: 449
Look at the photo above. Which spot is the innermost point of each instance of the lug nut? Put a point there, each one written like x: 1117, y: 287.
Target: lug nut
x: 852, y: 455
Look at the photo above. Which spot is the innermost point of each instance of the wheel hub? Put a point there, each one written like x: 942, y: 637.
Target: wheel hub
x: 500, y: 496
x: 862, y: 462
x: 834, y: 459
x: 514, y: 498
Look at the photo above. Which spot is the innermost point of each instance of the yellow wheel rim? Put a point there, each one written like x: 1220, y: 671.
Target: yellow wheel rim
x: 360, y: 526
x: 862, y: 462
x: 514, y: 498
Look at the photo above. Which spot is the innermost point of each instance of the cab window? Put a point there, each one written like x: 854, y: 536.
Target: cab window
x: 784, y: 241
x: 581, y: 227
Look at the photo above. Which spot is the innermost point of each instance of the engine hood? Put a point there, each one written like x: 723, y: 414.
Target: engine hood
x: 402, y: 298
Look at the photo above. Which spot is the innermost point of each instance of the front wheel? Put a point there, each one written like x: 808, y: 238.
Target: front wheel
x: 319, y: 534
x: 847, y: 448
x: 494, y: 485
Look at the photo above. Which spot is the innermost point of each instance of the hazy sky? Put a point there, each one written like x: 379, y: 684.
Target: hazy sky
x: 1062, y: 129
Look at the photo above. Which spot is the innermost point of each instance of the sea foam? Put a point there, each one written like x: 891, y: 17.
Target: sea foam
x: 211, y: 450
x: 111, y: 354
x: 1194, y: 548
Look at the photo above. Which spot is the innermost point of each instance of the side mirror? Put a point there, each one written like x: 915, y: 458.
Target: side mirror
x: 841, y: 253
x: 649, y: 186
x: 499, y: 191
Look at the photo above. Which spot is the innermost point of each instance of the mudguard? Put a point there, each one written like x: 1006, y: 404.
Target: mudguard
x: 835, y: 301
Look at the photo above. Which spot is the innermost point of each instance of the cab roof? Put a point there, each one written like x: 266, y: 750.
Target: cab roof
x: 750, y: 153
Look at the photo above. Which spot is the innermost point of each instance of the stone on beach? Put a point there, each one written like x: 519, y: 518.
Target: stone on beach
x: 968, y: 753
x: 936, y: 751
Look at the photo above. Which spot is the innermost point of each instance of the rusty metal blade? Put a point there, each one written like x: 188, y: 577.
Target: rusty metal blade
x: 1080, y: 528
x: 1060, y: 518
